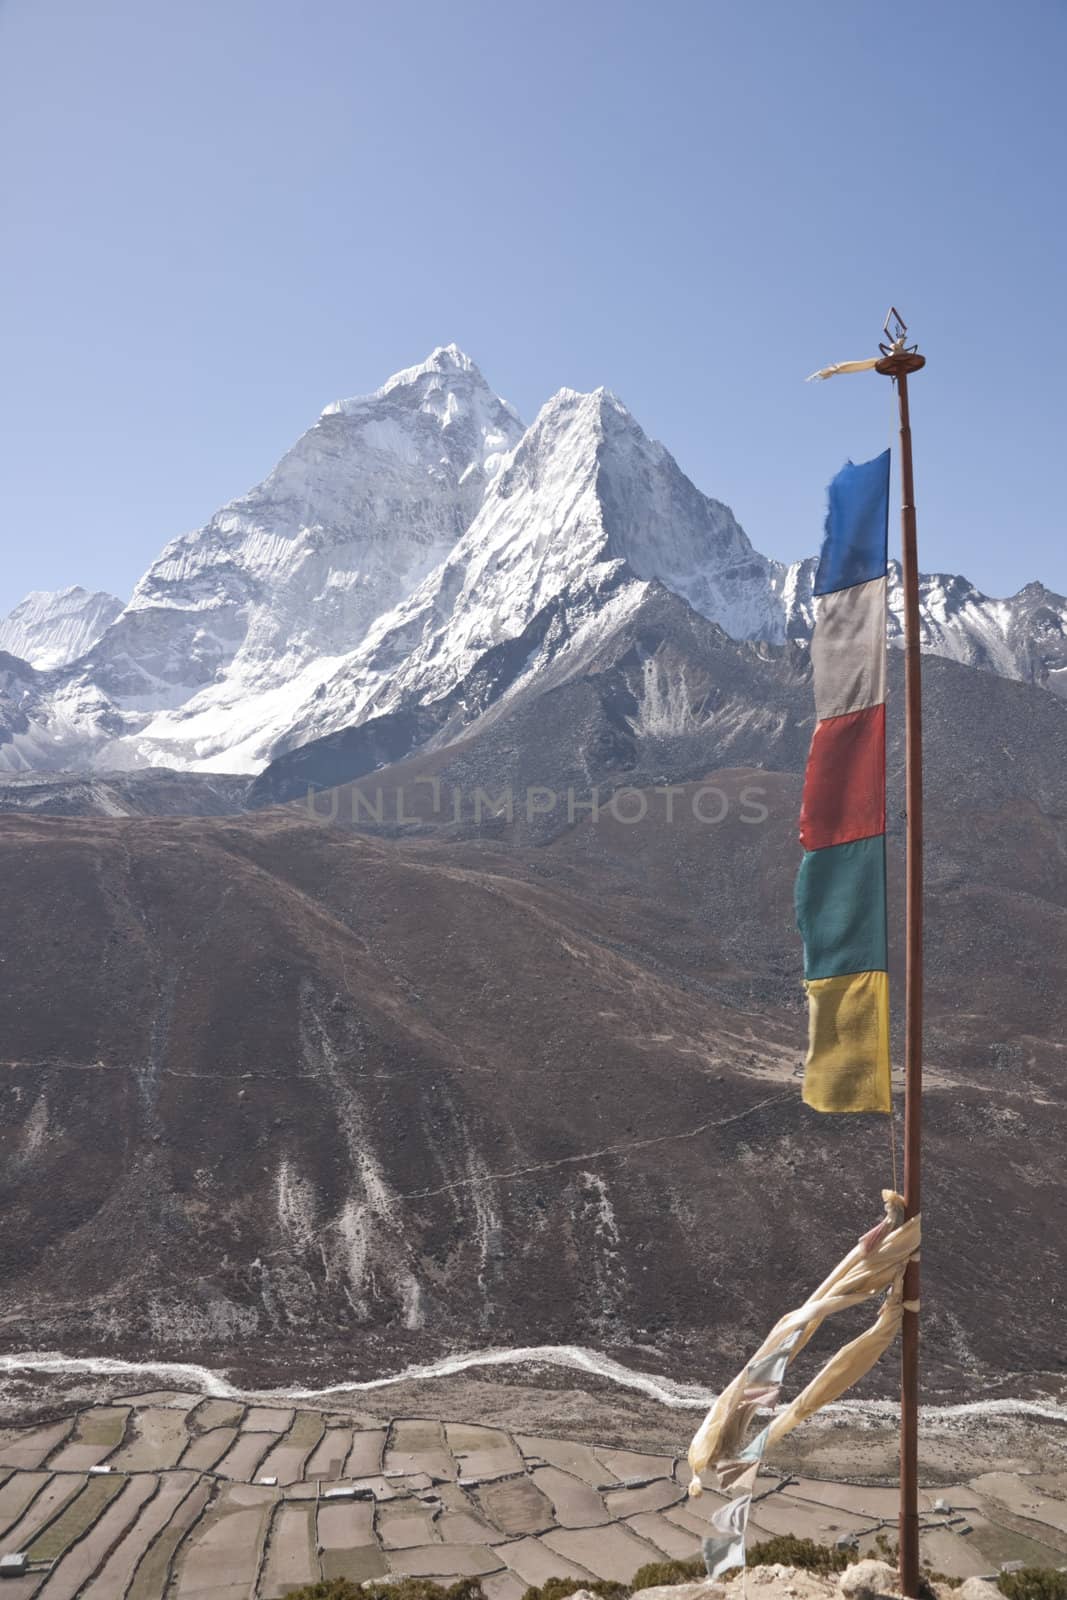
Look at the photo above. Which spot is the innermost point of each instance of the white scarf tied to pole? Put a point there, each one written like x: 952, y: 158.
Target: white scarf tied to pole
x: 874, y: 1266
x: 844, y: 366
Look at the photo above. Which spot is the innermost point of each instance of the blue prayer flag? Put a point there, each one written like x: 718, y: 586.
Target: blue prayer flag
x: 855, y: 544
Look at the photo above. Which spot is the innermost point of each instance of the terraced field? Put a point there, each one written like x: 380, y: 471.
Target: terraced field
x: 173, y: 1495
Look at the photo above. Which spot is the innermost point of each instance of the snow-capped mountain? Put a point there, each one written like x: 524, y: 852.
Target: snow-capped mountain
x: 1023, y: 636
x: 586, y: 509
x: 232, y: 626
x: 53, y: 626
x: 406, y: 537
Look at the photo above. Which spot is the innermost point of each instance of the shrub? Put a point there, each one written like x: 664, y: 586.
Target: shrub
x: 660, y: 1572
x: 560, y: 1588
x: 399, y: 1589
x: 1033, y: 1583
x: 786, y: 1550
x: 333, y: 1589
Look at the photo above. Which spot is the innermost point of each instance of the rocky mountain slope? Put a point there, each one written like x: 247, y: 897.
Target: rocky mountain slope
x: 374, y: 1092
x: 600, y: 686
x: 408, y: 540
x: 144, y: 792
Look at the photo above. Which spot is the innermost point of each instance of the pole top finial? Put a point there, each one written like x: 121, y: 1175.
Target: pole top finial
x: 894, y: 327
x: 898, y: 357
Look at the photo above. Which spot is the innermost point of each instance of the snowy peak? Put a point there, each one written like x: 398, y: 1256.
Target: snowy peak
x: 294, y: 573
x: 52, y: 627
x: 1023, y: 636
x: 583, y: 513
x: 235, y: 624
x: 408, y: 536
x: 448, y: 361
x: 461, y: 412
x: 647, y: 512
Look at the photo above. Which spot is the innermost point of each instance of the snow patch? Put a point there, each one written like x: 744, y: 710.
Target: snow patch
x: 296, y: 1204
x: 665, y: 707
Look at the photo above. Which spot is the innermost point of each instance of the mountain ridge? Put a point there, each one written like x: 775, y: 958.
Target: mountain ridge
x: 407, y: 533
x: 434, y: 1052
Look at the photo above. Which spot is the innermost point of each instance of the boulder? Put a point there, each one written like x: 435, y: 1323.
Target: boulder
x: 784, y: 1583
x: 867, y: 1580
x: 978, y: 1589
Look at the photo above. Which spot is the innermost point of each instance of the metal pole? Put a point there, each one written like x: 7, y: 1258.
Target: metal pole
x: 897, y: 364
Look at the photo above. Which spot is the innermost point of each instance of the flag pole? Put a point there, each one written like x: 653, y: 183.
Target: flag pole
x: 898, y: 361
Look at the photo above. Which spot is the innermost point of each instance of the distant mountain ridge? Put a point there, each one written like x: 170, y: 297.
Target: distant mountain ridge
x: 52, y: 627
x: 405, y: 538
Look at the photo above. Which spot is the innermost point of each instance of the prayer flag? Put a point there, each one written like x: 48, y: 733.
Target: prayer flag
x: 840, y: 888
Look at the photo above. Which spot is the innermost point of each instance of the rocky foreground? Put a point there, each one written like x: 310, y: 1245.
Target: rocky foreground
x: 866, y: 1580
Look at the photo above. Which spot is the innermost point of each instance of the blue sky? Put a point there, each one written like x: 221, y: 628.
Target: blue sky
x: 222, y: 214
